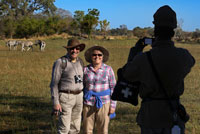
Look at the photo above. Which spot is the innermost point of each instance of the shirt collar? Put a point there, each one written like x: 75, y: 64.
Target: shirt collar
x: 102, y: 66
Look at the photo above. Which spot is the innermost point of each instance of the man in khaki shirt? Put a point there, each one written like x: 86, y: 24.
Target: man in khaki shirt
x: 172, y: 64
x: 66, y: 88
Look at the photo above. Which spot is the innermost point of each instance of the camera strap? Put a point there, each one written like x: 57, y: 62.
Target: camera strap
x: 149, y: 56
x: 64, y: 60
x: 74, y: 68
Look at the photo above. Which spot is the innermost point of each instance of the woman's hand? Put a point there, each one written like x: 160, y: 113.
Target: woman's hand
x: 112, y: 110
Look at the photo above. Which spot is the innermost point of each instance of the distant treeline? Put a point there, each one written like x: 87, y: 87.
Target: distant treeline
x: 25, y: 19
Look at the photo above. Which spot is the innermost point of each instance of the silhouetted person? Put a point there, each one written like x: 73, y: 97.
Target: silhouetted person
x: 172, y: 64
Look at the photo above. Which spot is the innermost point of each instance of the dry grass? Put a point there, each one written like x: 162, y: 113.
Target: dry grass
x: 25, y: 104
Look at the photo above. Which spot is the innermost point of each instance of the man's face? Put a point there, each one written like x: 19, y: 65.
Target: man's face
x: 74, y: 52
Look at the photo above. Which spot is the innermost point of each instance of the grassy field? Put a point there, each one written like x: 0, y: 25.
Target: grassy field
x: 25, y: 105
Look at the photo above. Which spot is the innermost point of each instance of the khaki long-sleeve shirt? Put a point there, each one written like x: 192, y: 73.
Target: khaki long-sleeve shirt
x: 65, y: 79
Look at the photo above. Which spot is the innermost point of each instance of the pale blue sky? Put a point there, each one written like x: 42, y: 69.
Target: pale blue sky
x: 135, y: 13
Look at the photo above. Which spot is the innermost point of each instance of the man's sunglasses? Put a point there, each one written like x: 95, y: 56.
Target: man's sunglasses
x: 97, y: 55
x: 77, y: 48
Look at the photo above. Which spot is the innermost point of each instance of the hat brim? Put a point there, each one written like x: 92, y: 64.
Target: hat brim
x: 88, y: 53
x: 82, y: 46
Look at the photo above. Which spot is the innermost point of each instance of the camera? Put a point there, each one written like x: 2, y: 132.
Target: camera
x: 78, y: 79
x: 148, y: 41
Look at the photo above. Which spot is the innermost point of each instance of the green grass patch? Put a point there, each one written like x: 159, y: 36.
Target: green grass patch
x: 25, y: 104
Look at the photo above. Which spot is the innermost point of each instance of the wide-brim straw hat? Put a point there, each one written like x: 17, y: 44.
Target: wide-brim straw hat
x: 89, y: 51
x: 74, y: 43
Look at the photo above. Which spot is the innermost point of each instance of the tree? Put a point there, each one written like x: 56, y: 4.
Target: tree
x: 104, y: 25
x: 115, y: 31
x: 64, y: 20
x: 18, y: 8
x: 9, y: 27
x: 52, y: 25
x: 138, y: 32
x: 23, y: 12
x: 27, y: 27
x: 123, y: 29
x: 76, y: 23
x: 196, y: 34
x: 63, y: 13
x: 149, y: 31
x: 179, y: 31
x: 90, y: 21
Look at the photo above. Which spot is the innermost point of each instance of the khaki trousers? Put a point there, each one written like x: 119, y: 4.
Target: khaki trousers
x: 70, y: 117
x: 93, y: 116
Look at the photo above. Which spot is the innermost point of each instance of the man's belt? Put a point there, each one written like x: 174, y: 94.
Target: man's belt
x: 71, y: 91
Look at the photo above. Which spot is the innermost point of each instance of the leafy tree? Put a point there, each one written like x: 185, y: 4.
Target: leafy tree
x: 9, y: 27
x: 64, y: 25
x: 52, y: 25
x: 187, y: 36
x: 138, y: 32
x: 26, y: 27
x: 63, y: 13
x: 115, y: 31
x: 2, y: 35
x: 17, y: 8
x: 179, y: 31
x: 22, y: 12
x: 104, y: 25
x: 123, y: 29
x: 64, y: 20
x: 196, y: 34
x: 90, y: 21
x: 149, y: 32
x: 76, y: 23
x: 39, y: 27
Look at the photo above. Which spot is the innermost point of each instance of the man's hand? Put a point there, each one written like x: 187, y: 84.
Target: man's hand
x: 56, y: 109
x: 140, y: 44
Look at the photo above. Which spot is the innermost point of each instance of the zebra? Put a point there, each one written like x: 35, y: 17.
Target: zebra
x: 12, y: 43
x: 28, y: 44
x: 41, y: 44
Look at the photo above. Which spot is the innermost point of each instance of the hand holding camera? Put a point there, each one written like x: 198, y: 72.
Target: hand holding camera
x: 144, y: 42
x: 148, y: 41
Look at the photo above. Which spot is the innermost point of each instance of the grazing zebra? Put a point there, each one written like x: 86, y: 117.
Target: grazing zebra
x: 12, y: 43
x: 41, y: 43
x: 27, y: 44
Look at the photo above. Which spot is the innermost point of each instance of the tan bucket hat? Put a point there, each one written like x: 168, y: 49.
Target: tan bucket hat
x: 89, y: 51
x: 74, y: 43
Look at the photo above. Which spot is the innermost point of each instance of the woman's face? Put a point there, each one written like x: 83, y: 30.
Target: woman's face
x: 97, y: 57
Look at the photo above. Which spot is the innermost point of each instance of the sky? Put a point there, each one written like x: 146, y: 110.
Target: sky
x: 136, y: 13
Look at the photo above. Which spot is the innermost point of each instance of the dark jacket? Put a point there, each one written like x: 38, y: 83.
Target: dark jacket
x: 172, y: 64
